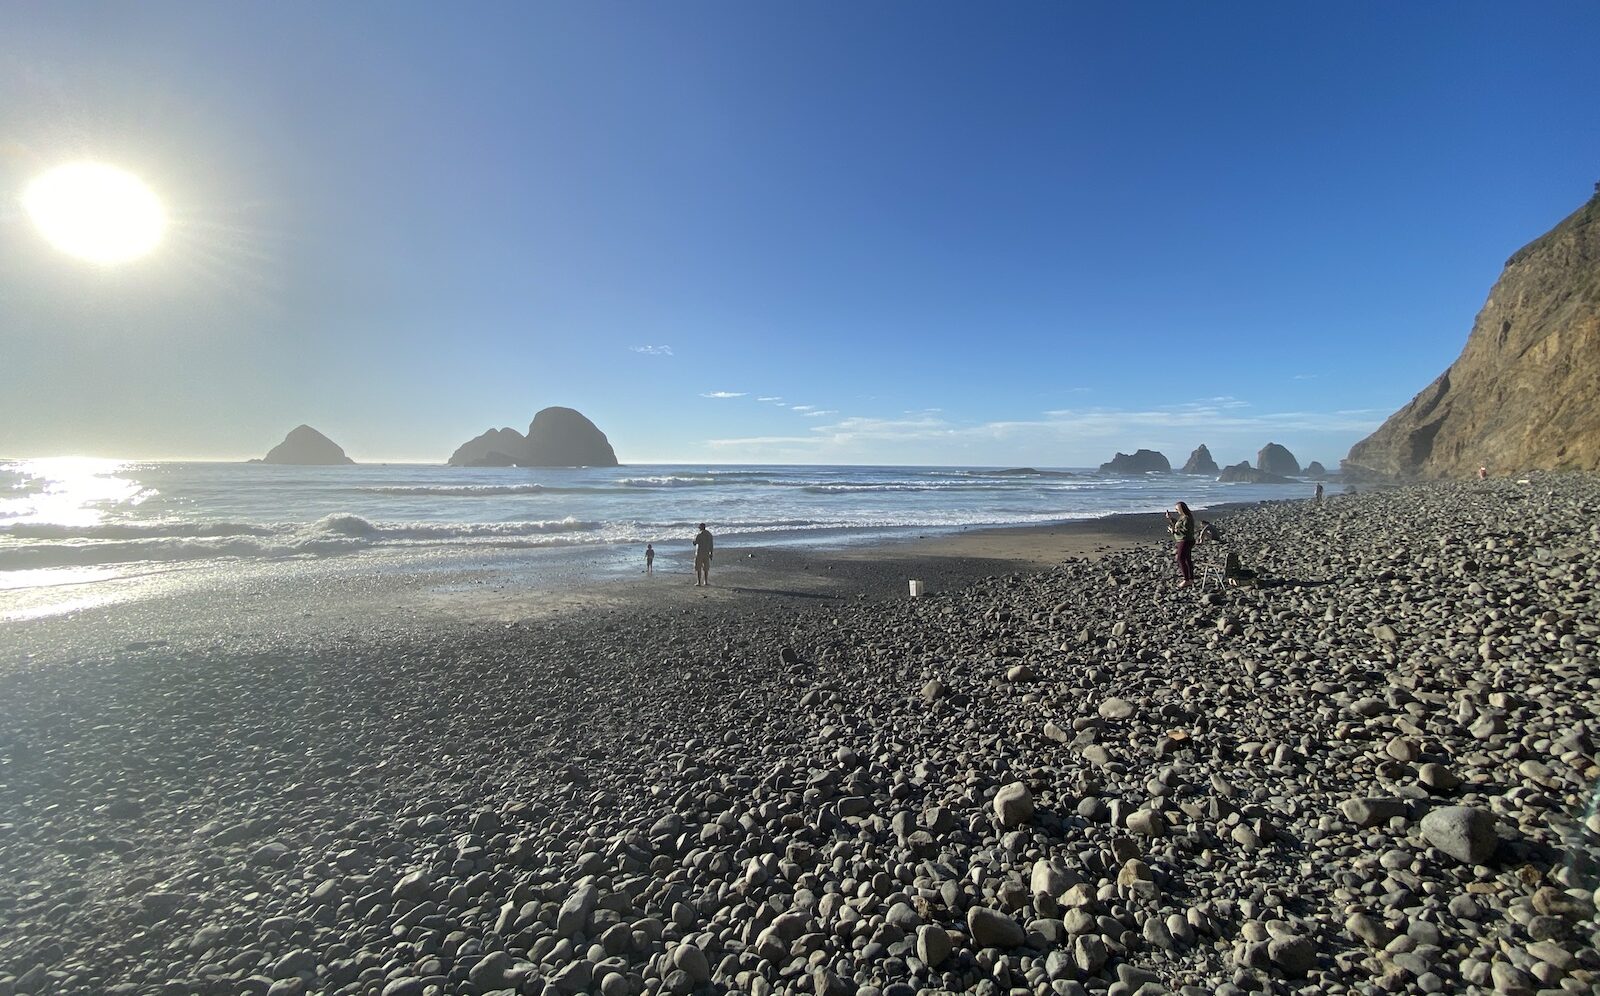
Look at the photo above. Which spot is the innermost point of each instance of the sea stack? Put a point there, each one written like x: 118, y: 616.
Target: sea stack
x: 495, y: 448
x: 1243, y: 473
x: 557, y: 437
x: 306, y: 446
x: 1200, y: 462
x: 1139, y: 462
x: 561, y: 437
x: 1275, y: 459
x: 1525, y: 392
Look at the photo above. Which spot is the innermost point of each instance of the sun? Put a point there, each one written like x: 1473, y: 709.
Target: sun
x: 96, y: 212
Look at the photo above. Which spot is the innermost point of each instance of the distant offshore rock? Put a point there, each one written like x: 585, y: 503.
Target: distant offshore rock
x: 495, y: 448
x: 307, y: 447
x: 557, y: 437
x: 1316, y: 471
x: 1275, y: 459
x: 1200, y: 462
x: 1139, y: 462
x: 1525, y: 392
x: 1243, y: 473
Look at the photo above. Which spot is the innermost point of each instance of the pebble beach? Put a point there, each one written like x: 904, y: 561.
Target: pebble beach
x: 1373, y: 773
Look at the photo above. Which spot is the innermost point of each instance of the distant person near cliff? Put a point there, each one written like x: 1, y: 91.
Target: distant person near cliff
x: 649, y: 558
x: 702, y: 557
x: 1483, y: 473
x: 1182, y: 528
x: 1319, y: 493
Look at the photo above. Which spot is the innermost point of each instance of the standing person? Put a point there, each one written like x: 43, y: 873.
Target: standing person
x: 649, y: 558
x: 1182, y: 527
x: 1319, y: 492
x: 702, y: 557
x: 1483, y: 473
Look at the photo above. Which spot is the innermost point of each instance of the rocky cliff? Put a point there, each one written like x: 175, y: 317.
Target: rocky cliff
x: 1525, y: 391
x: 557, y: 437
x: 305, y: 445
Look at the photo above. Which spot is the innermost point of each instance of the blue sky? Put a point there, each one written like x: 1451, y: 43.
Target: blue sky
x: 1030, y: 233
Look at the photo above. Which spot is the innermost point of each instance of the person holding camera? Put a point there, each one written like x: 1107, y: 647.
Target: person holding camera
x: 1182, y: 528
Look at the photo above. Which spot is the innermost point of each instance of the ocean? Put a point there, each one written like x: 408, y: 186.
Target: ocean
x: 80, y: 521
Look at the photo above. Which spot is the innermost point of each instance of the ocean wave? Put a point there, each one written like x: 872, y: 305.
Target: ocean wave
x: 77, y: 546
x: 466, y: 490
x: 698, y: 481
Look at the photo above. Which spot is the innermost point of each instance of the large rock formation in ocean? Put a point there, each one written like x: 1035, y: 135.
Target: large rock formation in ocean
x: 557, y: 437
x: 1243, y: 473
x: 1140, y: 462
x: 1525, y: 392
x: 1200, y: 462
x: 305, y: 445
x: 495, y: 448
x: 1275, y: 459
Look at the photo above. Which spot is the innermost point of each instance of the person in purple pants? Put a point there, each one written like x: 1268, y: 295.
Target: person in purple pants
x: 1182, y: 528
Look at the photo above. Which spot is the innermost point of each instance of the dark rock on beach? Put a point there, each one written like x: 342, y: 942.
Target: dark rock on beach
x: 1140, y: 462
x: 1200, y: 462
x: 306, y: 446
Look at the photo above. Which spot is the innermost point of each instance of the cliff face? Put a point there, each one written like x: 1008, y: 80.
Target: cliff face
x: 305, y: 445
x: 1525, y: 392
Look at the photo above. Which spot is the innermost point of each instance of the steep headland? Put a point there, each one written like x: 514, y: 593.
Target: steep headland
x: 1525, y: 391
x: 305, y: 445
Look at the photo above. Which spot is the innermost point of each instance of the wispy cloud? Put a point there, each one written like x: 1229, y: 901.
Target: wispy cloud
x: 1083, y: 428
x: 820, y: 412
x: 769, y: 398
x: 1304, y: 377
x: 723, y: 394
x: 805, y: 408
x: 652, y: 350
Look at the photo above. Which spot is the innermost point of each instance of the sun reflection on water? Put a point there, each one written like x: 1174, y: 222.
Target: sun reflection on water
x: 67, y: 491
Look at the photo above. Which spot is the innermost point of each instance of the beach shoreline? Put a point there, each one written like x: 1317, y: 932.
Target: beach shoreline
x: 340, y: 804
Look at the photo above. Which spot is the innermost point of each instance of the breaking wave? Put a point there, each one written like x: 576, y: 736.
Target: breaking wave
x: 77, y: 546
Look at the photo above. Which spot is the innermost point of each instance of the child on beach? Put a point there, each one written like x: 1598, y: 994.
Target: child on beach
x: 1182, y: 527
x: 649, y: 558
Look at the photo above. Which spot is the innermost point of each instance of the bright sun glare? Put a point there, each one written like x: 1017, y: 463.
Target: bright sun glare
x: 95, y: 212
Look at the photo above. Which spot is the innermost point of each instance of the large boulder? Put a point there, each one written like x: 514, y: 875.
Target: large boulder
x: 1200, y: 462
x: 1275, y: 459
x: 1316, y: 471
x: 305, y: 445
x: 1140, y: 462
x: 1525, y: 392
x: 1243, y: 473
x: 557, y: 437
x: 495, y: 448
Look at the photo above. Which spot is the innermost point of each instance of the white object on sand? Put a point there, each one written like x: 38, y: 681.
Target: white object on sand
x: 916, y: 589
